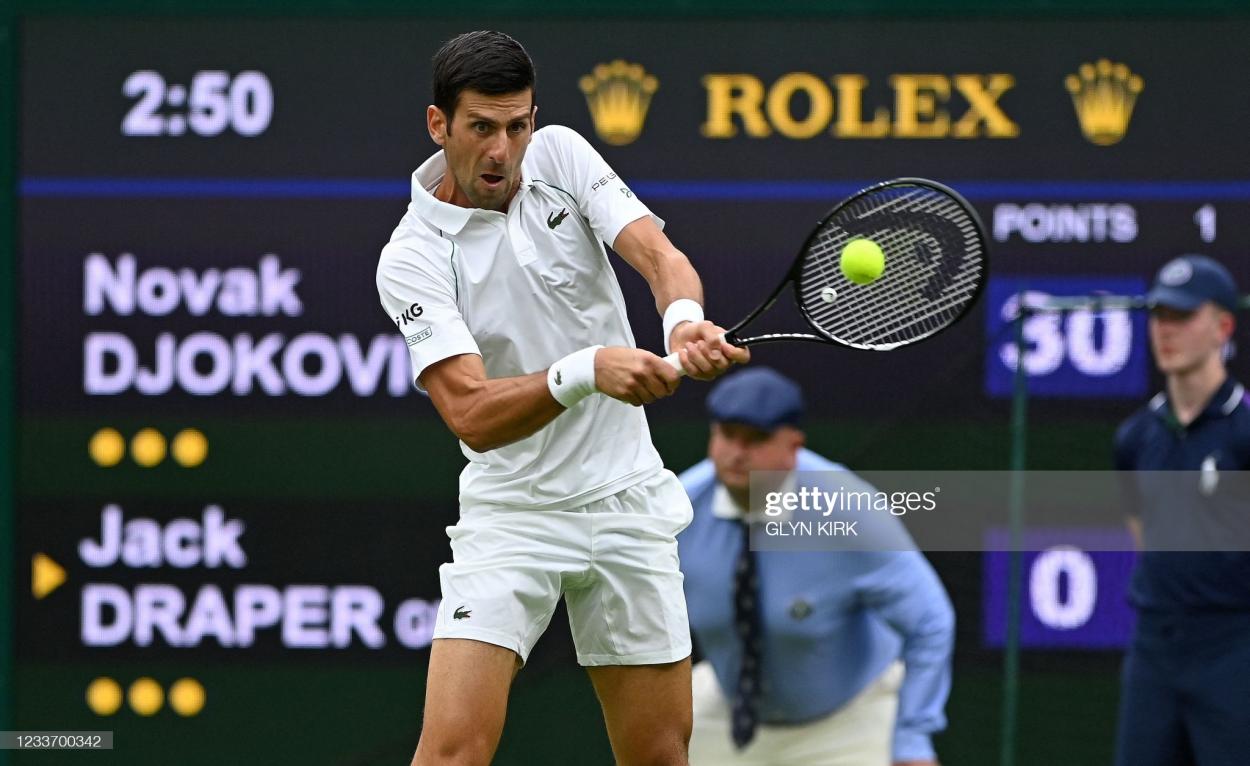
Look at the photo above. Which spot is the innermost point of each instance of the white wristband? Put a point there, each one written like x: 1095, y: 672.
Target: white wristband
x: 572, y: 378
x: 680, y: 310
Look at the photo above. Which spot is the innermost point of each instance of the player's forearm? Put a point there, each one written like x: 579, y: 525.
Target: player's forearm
x: 504, y: 410
x: 666, y: 269
x: 675, y: 284
x: 674, y: 278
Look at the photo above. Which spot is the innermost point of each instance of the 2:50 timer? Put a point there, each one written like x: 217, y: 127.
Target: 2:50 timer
x: 214, y: 102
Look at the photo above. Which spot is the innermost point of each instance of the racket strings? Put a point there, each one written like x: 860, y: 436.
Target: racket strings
x: 934, y: 264
x: 892, y: 318
x: 917, y: 309
x: 872, y: 321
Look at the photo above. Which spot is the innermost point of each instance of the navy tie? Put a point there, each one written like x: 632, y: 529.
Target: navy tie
x: 747, y: 624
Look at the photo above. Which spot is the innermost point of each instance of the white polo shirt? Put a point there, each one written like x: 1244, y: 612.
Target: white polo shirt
x: 523, y: 289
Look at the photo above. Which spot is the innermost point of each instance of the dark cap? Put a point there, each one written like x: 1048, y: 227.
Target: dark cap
x: 1187, y: 282
x: 757, y: 396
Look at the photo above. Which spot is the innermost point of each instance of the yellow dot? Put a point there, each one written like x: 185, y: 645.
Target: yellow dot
x: 148, y: 447
x: 189, y: 447
x: 146, y: 696
x: 104, y: 696
x: 186, y: 697
x: 106, y: 447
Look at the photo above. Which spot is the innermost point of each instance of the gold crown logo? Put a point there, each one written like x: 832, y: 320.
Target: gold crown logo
x: 618, y: 95
x: 1104, y: 95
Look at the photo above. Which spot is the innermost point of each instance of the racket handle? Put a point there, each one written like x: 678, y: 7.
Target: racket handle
x: 674, y: 360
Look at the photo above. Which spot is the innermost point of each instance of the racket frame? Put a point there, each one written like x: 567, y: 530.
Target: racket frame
x: 793, y: 275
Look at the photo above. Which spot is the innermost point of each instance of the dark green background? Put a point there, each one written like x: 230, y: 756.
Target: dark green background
x: 346, y: 712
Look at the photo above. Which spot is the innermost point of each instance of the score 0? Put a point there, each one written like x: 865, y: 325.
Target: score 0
x: 1204, y: 219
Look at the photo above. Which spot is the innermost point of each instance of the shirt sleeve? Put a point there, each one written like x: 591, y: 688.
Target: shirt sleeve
x: 422, y: 304
x: 602, y: 196
x: 906, y: 592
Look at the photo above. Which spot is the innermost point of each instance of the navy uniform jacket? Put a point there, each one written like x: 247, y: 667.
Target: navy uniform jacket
x: 1152, y: 439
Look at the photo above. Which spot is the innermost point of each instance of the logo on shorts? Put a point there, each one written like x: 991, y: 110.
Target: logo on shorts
x: 555, y: 219
x: 461, y: 613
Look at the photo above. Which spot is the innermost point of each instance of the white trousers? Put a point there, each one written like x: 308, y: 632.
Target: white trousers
x: 860, y: 733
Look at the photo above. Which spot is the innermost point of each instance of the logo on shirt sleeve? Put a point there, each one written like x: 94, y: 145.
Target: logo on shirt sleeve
x: 602, y: 182
x: 410, y: 315
x: 423, y: 335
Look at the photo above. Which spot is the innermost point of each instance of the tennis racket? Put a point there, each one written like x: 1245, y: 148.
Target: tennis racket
x: 936, y: 261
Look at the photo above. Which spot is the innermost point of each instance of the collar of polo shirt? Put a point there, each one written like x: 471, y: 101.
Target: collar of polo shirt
x: 1222, y: 403
x: 450, y: 218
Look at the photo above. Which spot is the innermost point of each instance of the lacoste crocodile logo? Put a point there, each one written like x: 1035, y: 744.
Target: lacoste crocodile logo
x: 554, y: 220
x: 461, y: 613
x: 558, y: 381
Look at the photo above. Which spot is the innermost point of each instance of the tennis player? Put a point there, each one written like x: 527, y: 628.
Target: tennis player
x: 498, y: 279
x: 1186, y: 679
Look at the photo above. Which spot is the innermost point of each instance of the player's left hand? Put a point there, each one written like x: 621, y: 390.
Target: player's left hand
x: 704, y: 355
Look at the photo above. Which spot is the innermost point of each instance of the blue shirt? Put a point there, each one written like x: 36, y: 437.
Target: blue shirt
x: 1152, y: 439
x: 832, y: 621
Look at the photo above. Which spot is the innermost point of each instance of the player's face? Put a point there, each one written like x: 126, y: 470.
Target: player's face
x: 484, y: 143
x: 737, y: 449
x: 1184, y: 341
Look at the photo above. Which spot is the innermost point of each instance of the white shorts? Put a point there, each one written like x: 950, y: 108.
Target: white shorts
x: 614, y: 560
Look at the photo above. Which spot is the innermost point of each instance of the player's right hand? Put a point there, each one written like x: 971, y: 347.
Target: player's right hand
x: 633, y: 375
x: 703, y: 352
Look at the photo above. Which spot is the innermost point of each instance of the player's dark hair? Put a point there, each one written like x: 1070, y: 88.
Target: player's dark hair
x: 488, y: 62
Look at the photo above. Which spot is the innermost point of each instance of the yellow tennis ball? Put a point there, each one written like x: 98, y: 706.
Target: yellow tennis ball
x: 862, y: 261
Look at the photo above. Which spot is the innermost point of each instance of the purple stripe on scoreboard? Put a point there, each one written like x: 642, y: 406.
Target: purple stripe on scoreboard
x: 1075, y: 589
x: 651, y: 189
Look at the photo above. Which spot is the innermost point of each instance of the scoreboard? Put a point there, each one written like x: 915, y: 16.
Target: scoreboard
x: 224, y: 472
